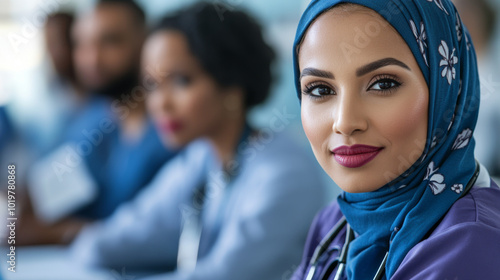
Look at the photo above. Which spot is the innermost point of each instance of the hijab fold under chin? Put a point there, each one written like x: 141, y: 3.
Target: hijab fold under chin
x: 400, y: 214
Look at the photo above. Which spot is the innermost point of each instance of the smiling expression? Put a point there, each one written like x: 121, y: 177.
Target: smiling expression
x: 364, y: 99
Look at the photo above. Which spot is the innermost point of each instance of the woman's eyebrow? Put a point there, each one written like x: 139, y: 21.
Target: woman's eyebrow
x: 317, y: 73
x: 378, y: 64
x: 359, y: 72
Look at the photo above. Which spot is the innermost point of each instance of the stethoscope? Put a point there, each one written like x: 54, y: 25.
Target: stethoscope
x: 340, y: 262
x: 342, y: 259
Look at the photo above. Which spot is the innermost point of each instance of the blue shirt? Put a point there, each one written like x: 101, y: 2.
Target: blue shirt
x: 119, y: 168
x: 5, y: 128
x: 4, y: 131
x: 257, y: 224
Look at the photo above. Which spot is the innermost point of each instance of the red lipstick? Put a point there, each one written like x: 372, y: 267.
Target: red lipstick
x: 171, y: 126
x: 355, y: 156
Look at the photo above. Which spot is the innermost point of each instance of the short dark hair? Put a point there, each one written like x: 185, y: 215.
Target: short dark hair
x: 132, y: 5
x: 65, y: 21
x: 228, y: 44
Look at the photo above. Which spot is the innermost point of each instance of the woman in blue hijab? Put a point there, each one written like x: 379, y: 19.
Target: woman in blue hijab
x: 389, y: 95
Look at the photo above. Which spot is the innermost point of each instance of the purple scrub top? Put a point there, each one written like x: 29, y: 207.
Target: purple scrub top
x: 464, y: 245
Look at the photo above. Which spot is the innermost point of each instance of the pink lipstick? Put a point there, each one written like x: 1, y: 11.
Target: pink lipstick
x: 355, y: 156
x: 170, y: 126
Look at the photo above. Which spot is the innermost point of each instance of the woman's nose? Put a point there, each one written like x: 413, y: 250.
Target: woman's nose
x: 160, y: 102
x: 349, y: 116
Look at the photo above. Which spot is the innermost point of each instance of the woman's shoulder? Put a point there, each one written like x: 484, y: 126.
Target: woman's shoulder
x: 479, y: 208
x: 464, y: 245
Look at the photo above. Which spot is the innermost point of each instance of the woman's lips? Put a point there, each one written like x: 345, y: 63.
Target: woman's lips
x: 356, y: 155
x: 170, y: 126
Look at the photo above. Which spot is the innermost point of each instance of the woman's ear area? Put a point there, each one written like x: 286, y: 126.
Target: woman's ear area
x: 233, y: 98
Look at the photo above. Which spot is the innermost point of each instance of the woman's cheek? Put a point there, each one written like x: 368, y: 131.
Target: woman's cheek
x: 404, y: 125
x: 154, y: 103
x: 311, y: 123
x: 317, y: 122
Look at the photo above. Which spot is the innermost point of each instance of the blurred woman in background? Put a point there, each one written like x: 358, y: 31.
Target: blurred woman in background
x: 236, y: 203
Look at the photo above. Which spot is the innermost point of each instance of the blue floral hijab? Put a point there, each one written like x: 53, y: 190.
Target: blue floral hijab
x: 396, y: 217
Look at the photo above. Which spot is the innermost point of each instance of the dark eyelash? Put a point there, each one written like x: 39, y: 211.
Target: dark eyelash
x: 388, y: 78
x: 312, y: 86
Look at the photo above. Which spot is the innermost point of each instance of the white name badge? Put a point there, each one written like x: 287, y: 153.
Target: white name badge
x: 60, y: 184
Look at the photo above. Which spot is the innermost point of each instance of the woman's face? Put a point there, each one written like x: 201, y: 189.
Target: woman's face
x: 364, y: 99
x: 187, y: 103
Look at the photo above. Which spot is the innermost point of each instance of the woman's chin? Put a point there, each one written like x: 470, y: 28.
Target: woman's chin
x: 174, y: 141
x: 356, y: 183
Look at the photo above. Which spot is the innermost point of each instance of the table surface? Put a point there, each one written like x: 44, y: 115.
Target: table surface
x: 53, y: 263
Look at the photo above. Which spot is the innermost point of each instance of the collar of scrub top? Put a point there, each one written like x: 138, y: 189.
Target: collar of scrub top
x: 191, y: 229
x: 400, y: 214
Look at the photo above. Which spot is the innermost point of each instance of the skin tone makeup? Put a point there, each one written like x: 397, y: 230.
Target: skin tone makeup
x: 364, y: 99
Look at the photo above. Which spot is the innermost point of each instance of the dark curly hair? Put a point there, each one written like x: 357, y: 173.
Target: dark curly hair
x: 228, y: 44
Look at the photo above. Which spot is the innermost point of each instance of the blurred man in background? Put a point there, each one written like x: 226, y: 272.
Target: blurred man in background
x: 112, y: 149
x: 63, y: 86
x: 60, y: 94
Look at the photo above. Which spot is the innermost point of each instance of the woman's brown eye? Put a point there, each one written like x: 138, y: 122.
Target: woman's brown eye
x: 318, y: 91
x: 324, y: 91
x: 385, y: 84
x: 181, y: 80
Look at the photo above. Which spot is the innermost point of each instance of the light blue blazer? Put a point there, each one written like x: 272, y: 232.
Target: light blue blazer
x: 254, y: 228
